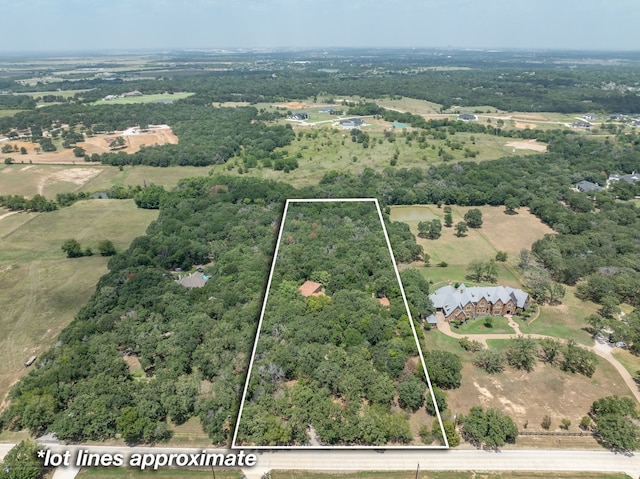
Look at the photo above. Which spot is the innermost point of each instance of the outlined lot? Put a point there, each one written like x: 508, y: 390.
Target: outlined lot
x: 330, y: 354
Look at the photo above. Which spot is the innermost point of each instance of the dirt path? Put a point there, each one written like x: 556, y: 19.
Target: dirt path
x: 8, y: 214
x: 601, y: 349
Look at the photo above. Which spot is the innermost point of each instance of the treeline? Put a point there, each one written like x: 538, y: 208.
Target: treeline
x: 192, y: 345
x: 504, y: 87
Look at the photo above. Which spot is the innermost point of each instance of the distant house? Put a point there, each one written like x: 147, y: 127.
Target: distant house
x: 588, y: 186
x: 110, y: 97
x: 581, y: 124
x: 193, y: 280
x: 132, y: 93
x: 590, y: 116
x: 326, y: 109
x: 471, y: 302
x: 299, y: 116
x: 311, y: 288
x: 351, y: 123
x: 635, y: 123
x: 467, y: 117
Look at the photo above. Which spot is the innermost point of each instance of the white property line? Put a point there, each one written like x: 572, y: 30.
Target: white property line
x: 406, y: 305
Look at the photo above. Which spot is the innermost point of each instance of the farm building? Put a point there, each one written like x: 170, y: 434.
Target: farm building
x: 311, y: 288
x: 467, y: 117
x: 471, y: 302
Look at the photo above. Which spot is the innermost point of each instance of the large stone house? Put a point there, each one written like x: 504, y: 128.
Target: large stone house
x: 471, y: 302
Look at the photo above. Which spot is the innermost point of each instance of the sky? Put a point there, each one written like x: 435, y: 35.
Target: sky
x: 115, y: 25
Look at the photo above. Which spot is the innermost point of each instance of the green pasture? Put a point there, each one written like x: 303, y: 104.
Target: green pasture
x: 145, y: 98
x: 40, y: 289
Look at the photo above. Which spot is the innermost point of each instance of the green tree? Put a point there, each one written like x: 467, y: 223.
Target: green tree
x: 511, y: 204
x: 441, y: 401
x: 72, y: 248
x: 79, y: 152
x: 546, y: 422
x: 491, y: 428
x: 411, y: 394
x: 131, y: 426
x: 430, y: 229
x: 106, y: 248
x: 521, y: 353
x: 445, y: 368
x: 491, y: 360
x: 618, y: 432
x: 21, y: 462
x: 550, y: 350
x: 473, y: 218
x: 476, y: 269
x: 150, y: 197
x: 501, y: 256
x: 448, y: 219
x: 461, y: 229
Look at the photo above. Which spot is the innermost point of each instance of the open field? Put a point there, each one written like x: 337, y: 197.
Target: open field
x: 499, y: 232
x: 40, y: 289
x: 527, y: 397
x: 334, y: 150
x: 96, y: 144
x: 410, y: 105
x: 4, y: 113
x: 145, y: 99
x: 48, y: 180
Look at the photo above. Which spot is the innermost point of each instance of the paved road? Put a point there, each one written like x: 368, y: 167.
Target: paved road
x: 600, y: 349
x: 395, y: 460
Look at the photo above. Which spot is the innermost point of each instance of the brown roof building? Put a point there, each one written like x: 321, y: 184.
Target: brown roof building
x: 310, y: 288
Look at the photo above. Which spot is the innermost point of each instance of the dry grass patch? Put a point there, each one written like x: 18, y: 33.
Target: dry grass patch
x: 528, y: 397
x: 96, y: 144
x: 47, y: 180
x: 527, y: 145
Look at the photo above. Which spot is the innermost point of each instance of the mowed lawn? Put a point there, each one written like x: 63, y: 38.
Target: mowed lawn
x: 40, y: 289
